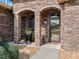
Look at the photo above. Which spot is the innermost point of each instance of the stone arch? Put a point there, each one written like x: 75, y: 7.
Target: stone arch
x: 27, y: 24
x: 46, y: 8
x: 51, y: 7
x: 26, y: 9
x: 45, y: 20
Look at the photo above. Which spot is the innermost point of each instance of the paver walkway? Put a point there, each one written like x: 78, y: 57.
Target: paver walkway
x: 48, y: 51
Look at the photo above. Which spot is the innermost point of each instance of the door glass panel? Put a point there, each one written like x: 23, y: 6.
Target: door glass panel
x: 31, y: 23
x: 55, y: 27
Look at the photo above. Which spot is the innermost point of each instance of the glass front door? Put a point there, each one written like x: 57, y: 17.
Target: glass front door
x: 31, y: 23
x: 54, y: 27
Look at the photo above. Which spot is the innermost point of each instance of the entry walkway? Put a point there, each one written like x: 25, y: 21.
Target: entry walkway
x: 48, y: 51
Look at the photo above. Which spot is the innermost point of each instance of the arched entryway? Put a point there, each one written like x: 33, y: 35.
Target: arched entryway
x: 27, y: 26
x: 50, y: 25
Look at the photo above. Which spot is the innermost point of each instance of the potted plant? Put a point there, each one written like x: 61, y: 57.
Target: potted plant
x: 28, y: 33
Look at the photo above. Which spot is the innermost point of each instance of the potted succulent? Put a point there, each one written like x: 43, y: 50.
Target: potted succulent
x: 28, y: 33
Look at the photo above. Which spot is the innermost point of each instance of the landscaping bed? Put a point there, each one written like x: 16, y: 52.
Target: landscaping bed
x: 27, y: 51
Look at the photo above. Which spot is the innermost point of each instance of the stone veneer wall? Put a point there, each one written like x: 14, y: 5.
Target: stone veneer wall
x: 69, y: 24
x: 7, y: 26
x: 37, y: 7
x: 70, y: 32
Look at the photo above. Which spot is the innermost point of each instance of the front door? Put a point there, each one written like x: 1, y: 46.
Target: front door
x: 31, y: 23
x: 54, y: 27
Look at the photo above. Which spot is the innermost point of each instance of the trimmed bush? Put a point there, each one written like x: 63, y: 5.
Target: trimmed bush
x: 13, y: 51
x: 4, y: 54
x: 1, y: 40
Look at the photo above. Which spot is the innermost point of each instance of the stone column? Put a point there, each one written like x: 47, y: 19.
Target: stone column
x: 37, y: 29
x: 17, y: 27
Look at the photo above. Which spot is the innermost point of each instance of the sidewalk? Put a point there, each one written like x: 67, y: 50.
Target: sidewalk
x: 48, y: 51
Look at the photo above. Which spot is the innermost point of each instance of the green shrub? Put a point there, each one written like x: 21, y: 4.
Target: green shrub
x: 1, y: 40
x: 13, y: 51
x: 4, y: 54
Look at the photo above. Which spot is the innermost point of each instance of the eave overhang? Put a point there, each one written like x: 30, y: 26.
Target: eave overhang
x: 63, y: 1
x: 60, y: 1
x: 5, y: 6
